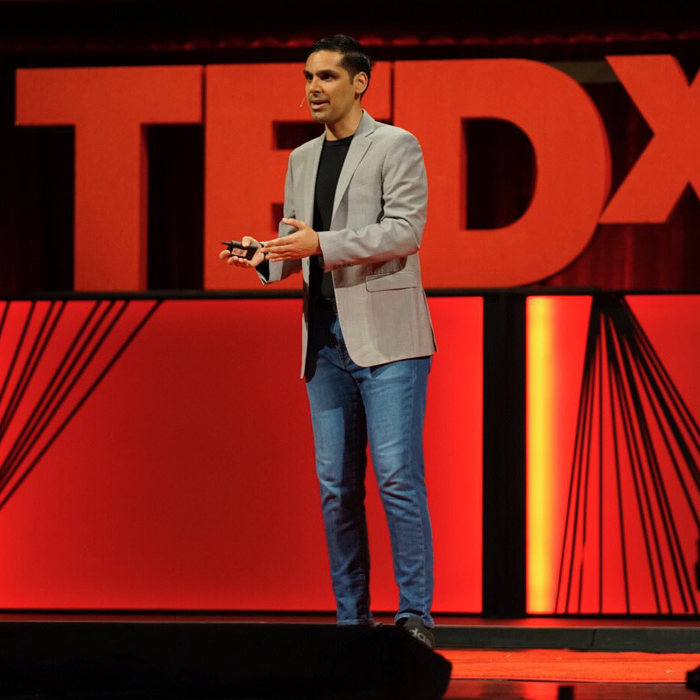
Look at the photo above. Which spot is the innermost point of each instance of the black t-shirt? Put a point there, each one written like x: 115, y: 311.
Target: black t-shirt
x: 329, y: 167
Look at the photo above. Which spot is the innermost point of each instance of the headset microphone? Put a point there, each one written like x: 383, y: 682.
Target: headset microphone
x: 302, y: 102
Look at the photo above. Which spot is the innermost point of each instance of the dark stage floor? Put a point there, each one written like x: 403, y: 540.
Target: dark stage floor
x: 533, y: 658
x: 679, y: 635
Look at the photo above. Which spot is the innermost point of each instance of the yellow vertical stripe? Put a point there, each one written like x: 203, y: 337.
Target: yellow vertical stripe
x: 541, y: 445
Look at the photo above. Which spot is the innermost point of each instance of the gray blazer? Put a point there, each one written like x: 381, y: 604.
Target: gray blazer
x: 377, y: 224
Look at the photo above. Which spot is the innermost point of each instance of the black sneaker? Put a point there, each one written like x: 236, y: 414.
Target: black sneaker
x: 415, y: 627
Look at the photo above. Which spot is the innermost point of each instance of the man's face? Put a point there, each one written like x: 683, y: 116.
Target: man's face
x: 330, y: 92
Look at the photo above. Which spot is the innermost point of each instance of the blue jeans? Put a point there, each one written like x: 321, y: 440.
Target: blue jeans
x: 386, y: 403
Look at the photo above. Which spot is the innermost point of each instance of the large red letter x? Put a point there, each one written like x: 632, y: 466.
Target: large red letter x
x: 671, y: 107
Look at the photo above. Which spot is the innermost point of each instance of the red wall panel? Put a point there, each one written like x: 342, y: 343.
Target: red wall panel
x: 619, y: 534
x: 160, y: 492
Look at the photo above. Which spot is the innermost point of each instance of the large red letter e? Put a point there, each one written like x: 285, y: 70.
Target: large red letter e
x: 109, y: 107
x: 572, y: 159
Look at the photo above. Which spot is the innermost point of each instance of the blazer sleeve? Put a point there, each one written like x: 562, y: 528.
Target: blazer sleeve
x: 399, y: 231
x: 275, y: 271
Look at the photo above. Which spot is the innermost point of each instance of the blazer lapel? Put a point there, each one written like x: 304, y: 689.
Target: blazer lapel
x: 357, y: 150
x: 307, y: 213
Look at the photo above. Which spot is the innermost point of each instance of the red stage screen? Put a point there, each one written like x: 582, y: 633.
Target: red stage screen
x: 169, y: 462
x: 613, y: 449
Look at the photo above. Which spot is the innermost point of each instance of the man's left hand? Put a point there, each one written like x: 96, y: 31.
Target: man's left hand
x: 300, y: 244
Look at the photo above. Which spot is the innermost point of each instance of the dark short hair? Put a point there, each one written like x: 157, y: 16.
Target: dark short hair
x: 355, y: 59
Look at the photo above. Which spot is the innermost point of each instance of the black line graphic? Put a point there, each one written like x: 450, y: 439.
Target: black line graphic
x: 66, y: 388
x: 647, y: 446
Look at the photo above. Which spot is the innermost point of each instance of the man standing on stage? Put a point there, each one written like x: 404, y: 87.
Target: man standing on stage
x: 355, y: 208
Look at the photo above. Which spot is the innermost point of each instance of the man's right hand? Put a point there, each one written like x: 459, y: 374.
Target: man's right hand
x: 242, y: 262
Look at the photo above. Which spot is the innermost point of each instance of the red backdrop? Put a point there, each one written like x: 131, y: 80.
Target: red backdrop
x: 161, y: 491
x: 622, y: 535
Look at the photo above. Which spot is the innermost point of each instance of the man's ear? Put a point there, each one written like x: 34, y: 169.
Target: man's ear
x: 361, y: 82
